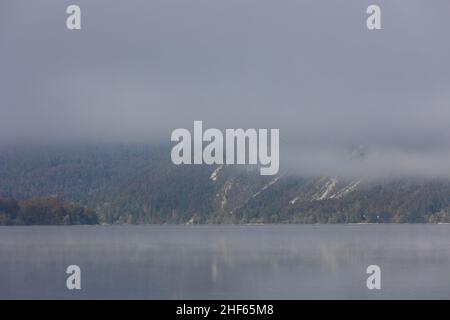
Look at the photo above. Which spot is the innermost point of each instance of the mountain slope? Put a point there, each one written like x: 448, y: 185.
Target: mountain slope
x: 139, y: 184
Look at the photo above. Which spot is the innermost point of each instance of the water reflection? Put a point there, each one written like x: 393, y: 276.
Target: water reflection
x: 226, y: 262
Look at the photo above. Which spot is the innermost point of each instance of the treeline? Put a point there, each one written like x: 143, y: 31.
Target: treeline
x: 139, y: 184
x: 395, y: 201
x: 44, y: 211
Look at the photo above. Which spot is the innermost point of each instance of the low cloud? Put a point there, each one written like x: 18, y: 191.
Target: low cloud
x: 139, y: 69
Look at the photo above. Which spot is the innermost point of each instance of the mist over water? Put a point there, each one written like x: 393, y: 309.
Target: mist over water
x: 226, y: 262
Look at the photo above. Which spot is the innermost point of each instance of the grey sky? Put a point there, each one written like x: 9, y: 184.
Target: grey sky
x: 139, y: 69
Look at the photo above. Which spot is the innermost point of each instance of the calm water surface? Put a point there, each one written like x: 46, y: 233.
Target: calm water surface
x: 226, y: 262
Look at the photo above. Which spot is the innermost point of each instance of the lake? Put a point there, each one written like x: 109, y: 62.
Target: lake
x: 226, y: 262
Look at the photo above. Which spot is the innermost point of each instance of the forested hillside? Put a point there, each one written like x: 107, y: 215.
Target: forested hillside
x: 43, y: 211
x: 139, y: 184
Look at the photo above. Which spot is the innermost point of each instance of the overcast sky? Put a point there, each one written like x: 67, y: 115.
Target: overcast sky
x: 139, y: 69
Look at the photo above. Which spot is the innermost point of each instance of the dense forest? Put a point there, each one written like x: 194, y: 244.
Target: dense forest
x: 139, y: 184
x: 44, y: 211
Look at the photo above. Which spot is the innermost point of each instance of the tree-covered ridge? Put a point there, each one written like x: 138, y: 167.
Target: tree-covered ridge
x: 139, y: 184
x: 44, y: 211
